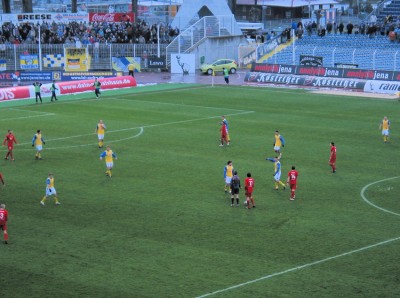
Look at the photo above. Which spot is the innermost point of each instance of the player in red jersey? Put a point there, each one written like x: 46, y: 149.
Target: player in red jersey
x: 332, y: 158
x: 10, y: 140
x: 3, y: 221
x: 224, y: 134
x: 249, y: 186
x: 292, y: 182
x: 2, y: 178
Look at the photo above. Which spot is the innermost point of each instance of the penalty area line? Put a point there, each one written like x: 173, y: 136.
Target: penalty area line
x: 301, y: 267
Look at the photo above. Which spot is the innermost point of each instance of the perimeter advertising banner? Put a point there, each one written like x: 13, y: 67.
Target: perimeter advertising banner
x: 384, y: 87
x: 46, y: 76
x: 71, y: 87
x: 268, y: 78
x: 336, y: 72
x: 15, y: 93
x: 17, y: 18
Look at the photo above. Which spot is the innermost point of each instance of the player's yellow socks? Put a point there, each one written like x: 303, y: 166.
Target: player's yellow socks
x: 56, y: 200
x: 39, y: 156
x: 281, y: 183
x: 276, y: 185
x: 109, y: 173
x: 43, y: 200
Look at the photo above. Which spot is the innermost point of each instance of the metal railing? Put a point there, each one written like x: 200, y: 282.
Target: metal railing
x: 374, y: 59
x: 215, y: 26
x: 101, y: 57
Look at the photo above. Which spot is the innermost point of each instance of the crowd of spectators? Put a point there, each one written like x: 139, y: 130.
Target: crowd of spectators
x: 86, y: 33
x: 387, y: 27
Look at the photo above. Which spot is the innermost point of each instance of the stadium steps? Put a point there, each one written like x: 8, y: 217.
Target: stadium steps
x: 278, y: 49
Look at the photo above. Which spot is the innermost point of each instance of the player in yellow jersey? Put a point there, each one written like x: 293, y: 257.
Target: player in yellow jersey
x: 100, y: 130
x: 50, y: 190
x: 277, y: 172
x: 38, y: 142
x: 108, y: 155
x: 279, y: 142
x: 385, y: 127
x: 228, y: 174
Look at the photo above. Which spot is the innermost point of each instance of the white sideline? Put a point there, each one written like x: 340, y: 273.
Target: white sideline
x: 300, y: 267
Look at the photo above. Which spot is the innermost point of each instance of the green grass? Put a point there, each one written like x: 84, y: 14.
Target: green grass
x: 163, y: 227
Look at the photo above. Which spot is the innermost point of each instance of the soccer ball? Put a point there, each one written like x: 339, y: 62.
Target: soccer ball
x: 245, y: 203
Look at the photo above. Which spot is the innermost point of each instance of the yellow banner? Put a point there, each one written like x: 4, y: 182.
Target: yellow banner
x: 76, y: 60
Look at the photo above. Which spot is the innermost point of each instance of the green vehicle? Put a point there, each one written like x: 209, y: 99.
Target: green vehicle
x: 217, y: 66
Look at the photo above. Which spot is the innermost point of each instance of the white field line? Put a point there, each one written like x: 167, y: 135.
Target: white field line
x: 126, y: 129
x: 323, y: 260
x: 41, y: 114
x: 372, y: 204
x: 29, y: 111
x: 301, y: 267
x: 141, y: 130
x: 77, y: 100
x: 27, y: 117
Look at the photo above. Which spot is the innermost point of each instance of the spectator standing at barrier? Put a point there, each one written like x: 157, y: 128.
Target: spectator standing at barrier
x: 349, y: 28
x: 97, y: 85
x: 314, y: 26
x: 53, y: 90
x: 329, y: 27
x: 37, y: 86
x: 341, y: 28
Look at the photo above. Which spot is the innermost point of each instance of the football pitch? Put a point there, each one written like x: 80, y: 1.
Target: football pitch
x: 162, y: 226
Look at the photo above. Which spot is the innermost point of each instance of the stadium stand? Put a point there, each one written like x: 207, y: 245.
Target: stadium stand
x: 368, y: 52
x: 85, y: 33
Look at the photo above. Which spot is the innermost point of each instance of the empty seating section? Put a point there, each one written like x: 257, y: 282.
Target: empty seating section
x: 375, y: 52
x: 392, y: 9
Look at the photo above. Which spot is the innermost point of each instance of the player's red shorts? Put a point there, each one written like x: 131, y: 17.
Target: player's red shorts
x: 10, y: 147
x: 332, y: 160
x: 248, y: 192
x: 3, y: 226
x: 293, y: 186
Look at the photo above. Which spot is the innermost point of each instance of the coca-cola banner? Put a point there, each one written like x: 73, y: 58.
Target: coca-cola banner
x: 115, y: 17
x: 334, y: 72
x: 15, y: 93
